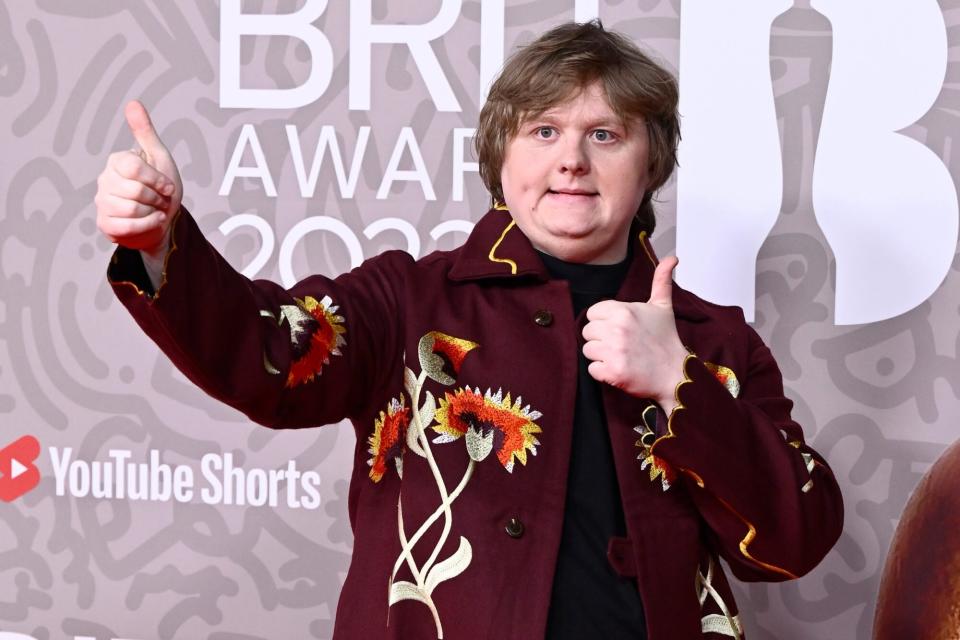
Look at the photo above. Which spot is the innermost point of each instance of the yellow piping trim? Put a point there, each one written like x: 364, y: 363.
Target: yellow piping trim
x: 500, y: 206
x: 679, y: 405
x: 747, y: 539
x: 496, y: 245
x: 751, y: 530
x: 643, y: 237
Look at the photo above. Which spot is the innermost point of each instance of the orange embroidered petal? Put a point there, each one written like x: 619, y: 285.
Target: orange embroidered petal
x: 441, y: 355
x: 659, y: 468
x: 454, y: 350
x: 388, y: 440
x: 726, y: 376
x: 492, y: 423
x: 325, y: 330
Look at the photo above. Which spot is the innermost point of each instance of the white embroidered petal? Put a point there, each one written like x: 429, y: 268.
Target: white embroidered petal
x: 479, y: 446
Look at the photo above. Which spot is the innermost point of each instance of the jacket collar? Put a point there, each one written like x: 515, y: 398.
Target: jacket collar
x: 497, y: 249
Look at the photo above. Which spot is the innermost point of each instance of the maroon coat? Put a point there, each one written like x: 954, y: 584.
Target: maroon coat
x: 459, y: 372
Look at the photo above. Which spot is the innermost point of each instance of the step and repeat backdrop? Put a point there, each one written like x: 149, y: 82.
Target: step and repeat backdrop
x: 817, y: 190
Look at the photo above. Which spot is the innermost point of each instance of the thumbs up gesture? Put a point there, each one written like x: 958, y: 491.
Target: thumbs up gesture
x: 139, y: 191
x: 634, y: 346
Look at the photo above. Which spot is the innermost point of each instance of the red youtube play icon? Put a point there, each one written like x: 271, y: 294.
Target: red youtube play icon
x: 18, y: 474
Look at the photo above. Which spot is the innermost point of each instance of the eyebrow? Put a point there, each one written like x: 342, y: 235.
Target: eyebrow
x: 598, y: 123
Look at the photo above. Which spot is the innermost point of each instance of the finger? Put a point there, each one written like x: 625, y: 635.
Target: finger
x: 115, y: 207
x: 661, y: 289
x: 138, y: 192
x: 603, y: 309
x: 595, y: 330
x: 127, y: 227
x: 142, y: 128
x: 131, y: 166
x: 594, y: 351
x: 597, y: 371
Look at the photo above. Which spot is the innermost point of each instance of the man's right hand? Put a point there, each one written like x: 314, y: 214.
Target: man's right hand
x: 139, y: 191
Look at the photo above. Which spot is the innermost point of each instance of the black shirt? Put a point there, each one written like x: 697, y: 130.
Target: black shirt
x: 589, y: 599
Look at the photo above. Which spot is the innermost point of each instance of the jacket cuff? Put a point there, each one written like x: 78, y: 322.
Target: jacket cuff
x: 689, y: 438
x: 127, y: 271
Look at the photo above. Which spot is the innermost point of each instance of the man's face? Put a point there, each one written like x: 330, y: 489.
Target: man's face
x: 574, y: 177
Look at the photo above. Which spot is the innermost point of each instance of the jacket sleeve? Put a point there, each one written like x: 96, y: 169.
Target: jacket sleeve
x: 771, y: 502
x: 286, y: 358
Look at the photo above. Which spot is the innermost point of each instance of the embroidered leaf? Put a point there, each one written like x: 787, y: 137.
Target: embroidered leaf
x: 428, y: 410
x: 413, y: 444
x: 404, y: 590
x: 410, y: 382
x: 451, y: 567
x: 715, y: 623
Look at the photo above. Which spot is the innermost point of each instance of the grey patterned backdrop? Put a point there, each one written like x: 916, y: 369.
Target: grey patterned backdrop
x: 880, y: 401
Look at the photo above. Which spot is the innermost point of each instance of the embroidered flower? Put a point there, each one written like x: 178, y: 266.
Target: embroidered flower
x: 389, y: 438
x: 316, y: 333
x: 441, y: 355
x: 648, y: 435
x: 489, y: 423
x: 726, y: 377
x: 808, y: 461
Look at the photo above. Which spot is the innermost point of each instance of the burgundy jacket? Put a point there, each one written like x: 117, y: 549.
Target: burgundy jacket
x: 458, y: 372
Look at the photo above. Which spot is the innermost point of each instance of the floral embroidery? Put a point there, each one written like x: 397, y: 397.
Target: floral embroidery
x: 441, y: 356
x: 721, y: 623
x: 316, y: 333
x: 659, y: 468
x: 808, y: 461
x: 489, y: 422
x: 726, y: 376
x: 388, y: 441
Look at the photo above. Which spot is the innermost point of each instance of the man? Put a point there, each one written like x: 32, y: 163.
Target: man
x: 553, y: 439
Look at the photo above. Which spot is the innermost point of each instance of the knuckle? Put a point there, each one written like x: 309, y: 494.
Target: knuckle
x: 129, y: 165
x: 129, y: 208
x: 143, y: 193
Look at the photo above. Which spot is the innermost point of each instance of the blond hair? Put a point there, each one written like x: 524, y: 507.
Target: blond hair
x: 554, y: 68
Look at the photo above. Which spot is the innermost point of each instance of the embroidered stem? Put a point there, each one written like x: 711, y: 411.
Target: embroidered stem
x: 429, y: 521
x: 429, y: 576
x: 405, y: 548
x: 731, y: 624
x: 428, y: 453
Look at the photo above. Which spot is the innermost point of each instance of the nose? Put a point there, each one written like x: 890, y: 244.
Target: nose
x: 573, y: 158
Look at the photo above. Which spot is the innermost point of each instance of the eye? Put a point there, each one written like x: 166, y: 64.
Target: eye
x: 544, y: 133
x: 602, y: 135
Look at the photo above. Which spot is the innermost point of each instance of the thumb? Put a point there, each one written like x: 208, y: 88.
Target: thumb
x: 142, y: 128
x: 661, y: 289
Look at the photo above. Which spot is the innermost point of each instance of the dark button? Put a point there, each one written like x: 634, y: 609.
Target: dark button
x: 543, y: 318
x: 514, y: 528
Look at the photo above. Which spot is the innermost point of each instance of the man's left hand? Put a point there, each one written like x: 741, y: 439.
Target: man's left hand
x: 634, y: 346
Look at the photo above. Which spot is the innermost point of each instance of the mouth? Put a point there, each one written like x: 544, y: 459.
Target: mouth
x: 572, y: 192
